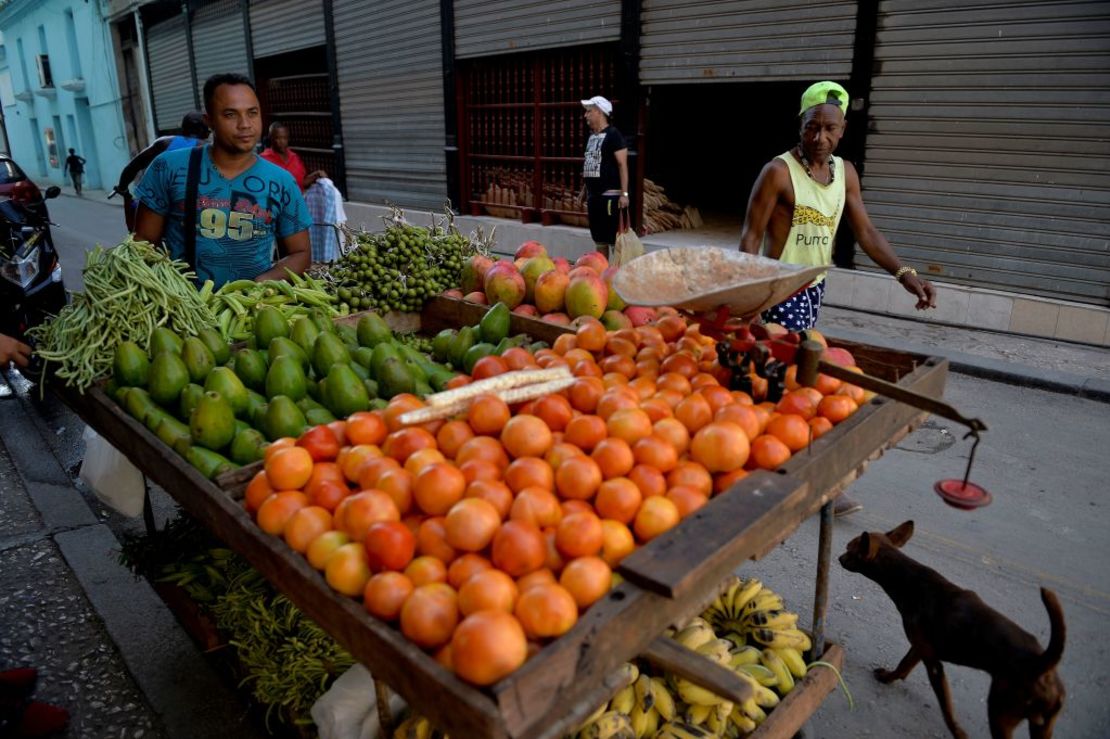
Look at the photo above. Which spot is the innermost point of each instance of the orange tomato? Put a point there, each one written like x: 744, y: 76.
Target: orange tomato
x: 686, y: 499
x: 425, y: 570
x: 484, y: 448
x: 526, y: 472
x: 618, y: 499
x: 430, y: 615
x: 543, y: 576
x: 276, y: 446
x: 305, y: 526
x: 347, y: 570
x: 617, y: 542
x: 820, y: 426
x: 615, y: 399
x: 518, y: 548
x: 320, y: 442
x: 694, y: 412
x: 289, y: 469
x: 494, y: 492
x: 692, y: 475
x: 451, y: 436
x: 630, y: 424
x: 488, y: 414
x: 258, y: 490
x: 537, y: 506
x: 726, y: 480
x: 366, y: 427
x: 431, y: 540
x: 743, y: 416
x: 397, y: 484
x: 656, y: 452
x: 385, y: 594
x: 323, y: 546
x: 389, y: 545
x: 488, y: 590
x: 768, y: 452
x: 398, y: 406
x: 650, y: 480
x: 466, y: 567
x: 656, y: 515
x: 674, y: 432
x: 487, y: 646
x: 276, y: 510
x: 526, y: 436
x: 546, y: 611
x: 791, y: 429
x: 836, y: 408
x: 420, y: 459
x: 585, y: 393
x: 587, y: 579
x: 720, y: 446
x: 579, y: 535
x: 578, y: 478
x: 489, y: 366
x: 358, y: 512
x: 404, y: 443
x: 585, y: 432
x: 799, y: 403
x: 559, y: 452
x: 614, y: 457
x: 471, y: 524
x: 438, y: 487
x: 517, y: 358
x: 373, y: 468
x: 480, y: 469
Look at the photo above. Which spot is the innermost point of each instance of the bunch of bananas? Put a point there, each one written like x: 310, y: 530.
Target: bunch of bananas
x: 417, y: 727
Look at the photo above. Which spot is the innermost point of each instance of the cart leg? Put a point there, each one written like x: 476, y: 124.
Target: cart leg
x: 148, y: 510
x: 385, y: 716
x: 821, y: 596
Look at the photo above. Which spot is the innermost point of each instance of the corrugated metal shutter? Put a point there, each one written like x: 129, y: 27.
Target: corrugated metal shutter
x: 687, y: 41
x: 278, y: 26
x: 391, y: 99
x: 988, y: 159
x: 219, y: 44
x: 168, y: 53
x: 485, y: 27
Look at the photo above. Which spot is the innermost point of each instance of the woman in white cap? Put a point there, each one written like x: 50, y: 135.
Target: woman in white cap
x: 604, y: 174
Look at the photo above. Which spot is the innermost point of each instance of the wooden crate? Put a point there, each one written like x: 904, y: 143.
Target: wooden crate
x: 556, y: 689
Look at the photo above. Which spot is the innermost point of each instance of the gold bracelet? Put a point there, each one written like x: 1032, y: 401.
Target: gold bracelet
x: 902, y: 271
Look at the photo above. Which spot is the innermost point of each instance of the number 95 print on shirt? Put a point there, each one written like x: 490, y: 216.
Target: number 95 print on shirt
x: 237, y: 219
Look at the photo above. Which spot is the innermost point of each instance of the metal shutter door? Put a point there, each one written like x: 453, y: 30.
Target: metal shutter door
x: 987, y: 161
x: 391, y: 99
x: 219, y: 44
x: 278, y: 26
x: 168, y: 54
x: 687, y: 41
x: 486, y: 27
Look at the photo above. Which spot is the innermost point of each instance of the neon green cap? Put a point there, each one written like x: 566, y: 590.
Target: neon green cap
x: 821, y: 93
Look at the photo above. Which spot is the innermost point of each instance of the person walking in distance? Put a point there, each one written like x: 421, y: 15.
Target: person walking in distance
x: 604, y: 174
x: 795, y: 208
x: 75, y: 166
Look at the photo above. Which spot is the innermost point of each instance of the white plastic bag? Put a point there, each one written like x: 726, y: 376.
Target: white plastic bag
x: 117, y: 483
x: 349, y: 710
x: 628, y: 245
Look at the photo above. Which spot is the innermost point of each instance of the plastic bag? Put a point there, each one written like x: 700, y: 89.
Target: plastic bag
x: 628, y: 245
x: 349, y: 710
x: 117, y: 483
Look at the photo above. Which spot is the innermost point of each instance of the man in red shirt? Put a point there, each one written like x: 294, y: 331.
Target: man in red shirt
x: 280, y: 154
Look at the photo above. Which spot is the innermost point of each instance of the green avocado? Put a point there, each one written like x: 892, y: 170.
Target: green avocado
x: 286, y: 377
x: 168, y: 377
x: 268, y: 325
x: 164, y: 340
x: 494, y: 325
x: 131, y: 365
x: 212, y: 422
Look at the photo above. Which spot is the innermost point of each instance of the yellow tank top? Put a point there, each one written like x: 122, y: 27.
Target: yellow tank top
x: 817, y: 211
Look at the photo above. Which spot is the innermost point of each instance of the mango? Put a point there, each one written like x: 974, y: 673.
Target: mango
x: 174, y: 433
x: 550, y: 289
x: 190, y: 394
x: 319, y: 416
x: 168, y: 377
x: 586, y: 295
x: 199, y: 361
x: 285, y: 377
x: 164, y: 340
x: 282, y: 346
x: 531, y: 271
x: 504, y: 284
x: 283, y: 418
x: 395, y: 378
x: 304, y: 333
x: 382, y: 352
x: 215, y: 343
x: 225, y: 382
x: 345, y: 393
x: 372, y: 330
x: 474, y: 270
x: 441, y: 344
x: 131, y: 365
x: 329, y: 350
x: 247, y: 446
x: 209, y: 463
x: 268, y: 325
x: 595, y: 260
x: 212, y: 423
x: 250, y: 367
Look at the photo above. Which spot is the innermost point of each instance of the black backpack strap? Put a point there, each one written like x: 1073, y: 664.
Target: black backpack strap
x: 192, y: 181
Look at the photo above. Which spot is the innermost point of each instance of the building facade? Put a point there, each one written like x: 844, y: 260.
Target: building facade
x: 59, y: 90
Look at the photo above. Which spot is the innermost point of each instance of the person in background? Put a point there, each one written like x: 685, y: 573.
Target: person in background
x: 324, y: 201
x: 13, y: 350
x: 795, y: 209
x: 75, y: 166
x: 194, y: 132
x: 243, y: 202
x: 604, y: 174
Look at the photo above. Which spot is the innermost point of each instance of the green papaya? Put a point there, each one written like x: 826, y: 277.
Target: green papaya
x: 190, y: 394
x: 216, y: 344
x: 286, y: 377
x: 225, y: 382
x: 199, y: 361
x: 164, y: 340
x: 318, y: 416
x: 248, y: 446
x: 372, y: 330
x: 395, y: 378
x: 285, y: 347
x: 382, y: 352
x: 328, y: 350
x: 441, y: 344
x: 210, y: 464
x: 168, y: 377
x: 304, y: 333
x: 473, y: 354
x: 212, y: 422
x: 345, y: 394
x: 250, y: 367
x: 362, y: 356
x: 138, y: 403
x: 494, y: 325
x: 460, y: 345
x: 283, y: 418
x: 256, y: 405
x: 173, y: 433
x: 269, y: 324
x: 131, y: 365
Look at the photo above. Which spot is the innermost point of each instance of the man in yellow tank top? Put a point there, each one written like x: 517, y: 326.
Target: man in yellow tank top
x: 797, y: 202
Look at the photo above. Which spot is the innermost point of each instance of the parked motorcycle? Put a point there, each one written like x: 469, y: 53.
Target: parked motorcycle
x: 31, y: 288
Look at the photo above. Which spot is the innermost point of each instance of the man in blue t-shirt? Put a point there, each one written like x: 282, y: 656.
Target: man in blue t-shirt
x: 244, y: 203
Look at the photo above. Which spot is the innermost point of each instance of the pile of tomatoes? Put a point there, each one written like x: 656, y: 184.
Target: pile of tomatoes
x: 485, y: 535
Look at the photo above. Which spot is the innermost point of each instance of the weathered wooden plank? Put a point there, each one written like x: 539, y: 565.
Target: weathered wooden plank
x: 722, y: 534
x: 795, y: 709
x: 432, y: 690
x: 666, y: 653
x: 440, y: 313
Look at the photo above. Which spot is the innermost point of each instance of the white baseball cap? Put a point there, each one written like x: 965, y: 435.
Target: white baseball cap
x: 600, y: 103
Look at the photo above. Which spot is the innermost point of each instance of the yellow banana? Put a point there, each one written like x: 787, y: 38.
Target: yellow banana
x: 624, y: 700
x: 765, y: 600
x: 763, y: 696
x: 695, y: 634
x: 631, y: 673
x: 639, y: 720
x: 774, y: 663
x: 664, y: 701
x: 414, y: 727
x: 763, y: 674
x: 716, y: 650
x: 744, y: 595
x: 652, y: 724
x: 718, y: 718
x: 680, y: 730
x: 741, y: 721
x: 771, y: 620
x: 695, y: 694
x: 698, y: 715
x: 745, y: 655
x: 739, y: 641
x: 777, y: 638
x: 594, y: 716
x: 610, y: 725
x: 793, y: 660
x: 645, y: 700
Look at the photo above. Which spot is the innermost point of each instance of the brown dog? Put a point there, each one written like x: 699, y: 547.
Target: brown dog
x: 945, y: 623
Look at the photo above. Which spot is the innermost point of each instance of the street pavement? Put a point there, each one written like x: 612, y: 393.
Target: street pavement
x: 115, y: 656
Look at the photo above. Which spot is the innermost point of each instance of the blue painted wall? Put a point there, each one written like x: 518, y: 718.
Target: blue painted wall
x: 43, y: 123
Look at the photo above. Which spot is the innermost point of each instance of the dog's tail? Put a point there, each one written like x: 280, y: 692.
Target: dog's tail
x: 1055, y: 648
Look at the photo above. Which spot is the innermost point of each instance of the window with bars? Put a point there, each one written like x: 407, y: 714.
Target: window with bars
x: 523, y: 132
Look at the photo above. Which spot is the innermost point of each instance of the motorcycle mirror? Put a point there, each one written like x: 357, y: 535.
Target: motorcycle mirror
x: 52, y: 192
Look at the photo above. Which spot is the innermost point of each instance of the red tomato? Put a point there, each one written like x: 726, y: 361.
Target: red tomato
x: 321, y: 442
x: 390, y: 545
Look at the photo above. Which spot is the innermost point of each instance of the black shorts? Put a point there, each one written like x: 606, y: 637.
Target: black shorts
x: 604, y: 211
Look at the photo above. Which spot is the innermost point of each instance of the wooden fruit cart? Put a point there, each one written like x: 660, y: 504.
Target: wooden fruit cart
x: 667, y: 580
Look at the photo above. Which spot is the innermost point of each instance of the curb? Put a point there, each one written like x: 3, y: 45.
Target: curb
x: 1091, y: 388
x: 99, y: 197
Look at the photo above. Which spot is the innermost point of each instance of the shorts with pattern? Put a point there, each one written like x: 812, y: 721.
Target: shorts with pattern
x: 799, y: 311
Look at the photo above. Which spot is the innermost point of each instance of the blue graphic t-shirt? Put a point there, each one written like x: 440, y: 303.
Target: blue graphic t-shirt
x: 237, y: 220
